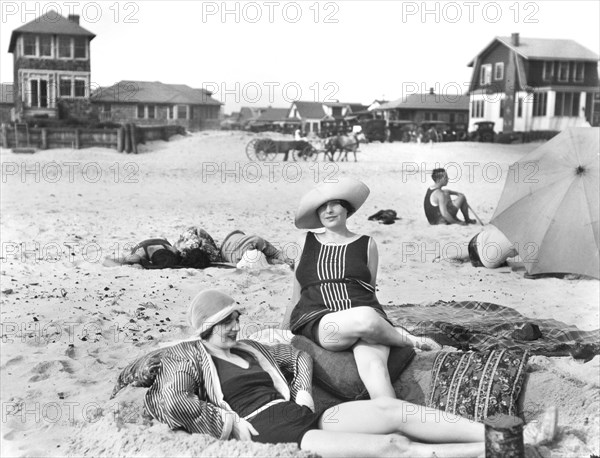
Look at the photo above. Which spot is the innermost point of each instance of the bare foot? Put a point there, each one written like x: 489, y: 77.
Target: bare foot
x: 543, y: 429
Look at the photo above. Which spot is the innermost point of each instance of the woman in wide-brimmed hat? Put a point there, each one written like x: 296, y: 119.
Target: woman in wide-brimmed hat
x: 227, y: 388
x: 334, y: 302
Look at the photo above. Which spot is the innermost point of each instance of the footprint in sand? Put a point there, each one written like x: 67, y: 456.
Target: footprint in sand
x: 47, y: 369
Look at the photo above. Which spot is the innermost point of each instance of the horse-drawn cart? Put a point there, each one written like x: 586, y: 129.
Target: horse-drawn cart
x: 266, y: 149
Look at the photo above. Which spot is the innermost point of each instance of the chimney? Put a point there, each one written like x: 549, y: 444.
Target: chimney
x: 73, y: 18
x: 431, y: 91
x: 514, y: 39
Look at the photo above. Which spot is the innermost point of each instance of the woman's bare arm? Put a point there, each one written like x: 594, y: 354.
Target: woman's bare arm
x: 296, y: 290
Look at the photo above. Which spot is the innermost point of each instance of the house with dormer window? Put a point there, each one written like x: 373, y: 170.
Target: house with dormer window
x: 525, y: 84
x: 51, y: 62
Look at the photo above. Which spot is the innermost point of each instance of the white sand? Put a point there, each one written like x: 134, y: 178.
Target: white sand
x: 69, y: 325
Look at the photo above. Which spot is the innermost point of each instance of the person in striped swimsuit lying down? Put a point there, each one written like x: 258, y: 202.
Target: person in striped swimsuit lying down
x: 227, y: 388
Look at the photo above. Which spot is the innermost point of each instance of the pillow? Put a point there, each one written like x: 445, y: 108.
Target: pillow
x: 141, y: 372
x: 336, y: 372
x: 477, y: 385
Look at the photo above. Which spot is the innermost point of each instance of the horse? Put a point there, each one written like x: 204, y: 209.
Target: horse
x: 344, y: 144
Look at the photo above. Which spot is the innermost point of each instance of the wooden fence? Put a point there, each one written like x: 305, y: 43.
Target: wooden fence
x: 123, y: 139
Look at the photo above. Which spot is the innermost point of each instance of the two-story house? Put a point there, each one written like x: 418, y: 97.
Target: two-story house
x: 525, y: 84
x: 51, y: 62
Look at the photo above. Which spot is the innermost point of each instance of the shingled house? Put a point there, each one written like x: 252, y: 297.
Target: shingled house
x: 153, y: 102
x: 525, y: 84
x: 51, y: 62
x: 451, y: 108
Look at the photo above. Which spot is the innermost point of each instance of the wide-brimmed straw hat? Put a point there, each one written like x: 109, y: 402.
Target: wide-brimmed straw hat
x: 353, y: 191
x: 208, y: 308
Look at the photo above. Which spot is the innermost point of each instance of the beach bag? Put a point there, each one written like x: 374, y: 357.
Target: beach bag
x: 154, y: 254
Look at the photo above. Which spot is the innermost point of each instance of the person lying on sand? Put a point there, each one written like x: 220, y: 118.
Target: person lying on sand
x: 227, y: 388
x: 333, y: 301
x: 489, y: 248
x: 442, y: 205
x: 196, y: 249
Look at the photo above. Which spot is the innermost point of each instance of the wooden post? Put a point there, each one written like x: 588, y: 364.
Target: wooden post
x: 44, y: 138
x: 4, y: 136
x: 127, y: 133
x: 134, y: 138
x: 120, y: 139
x: 77, y: 140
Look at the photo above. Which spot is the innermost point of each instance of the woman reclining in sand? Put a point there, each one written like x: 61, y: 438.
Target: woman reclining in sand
x: 220, y: 386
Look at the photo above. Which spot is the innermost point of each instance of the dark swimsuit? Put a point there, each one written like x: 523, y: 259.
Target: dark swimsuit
x: 474, y: 254
x: 246, y: 390
x: 332, y: 278
x: 433, y: 214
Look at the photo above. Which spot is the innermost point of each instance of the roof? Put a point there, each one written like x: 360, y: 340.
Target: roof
x: 355, y: 107
x: 310, y: 110
x: 545, y: 48
x: 273, y: 114
x: 429, y: 102
x: 51, y: 23
x: 128, y: 91
x: 6, y: 93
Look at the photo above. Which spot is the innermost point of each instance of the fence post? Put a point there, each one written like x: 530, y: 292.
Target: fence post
x: 44, y: 138
x: 127, y: 135
x: 134, y: 138
x: 120, y: 139
x: 4, y: 136
x: 77, y: 142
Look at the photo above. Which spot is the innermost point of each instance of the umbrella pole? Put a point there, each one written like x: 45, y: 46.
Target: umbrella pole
x: 475, y: 214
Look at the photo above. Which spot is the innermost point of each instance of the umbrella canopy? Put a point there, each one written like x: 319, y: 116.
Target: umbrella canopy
x: 549, y: 205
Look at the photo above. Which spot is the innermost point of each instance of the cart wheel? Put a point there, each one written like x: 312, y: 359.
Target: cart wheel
x: 265, y: 149
x: 251, y: 149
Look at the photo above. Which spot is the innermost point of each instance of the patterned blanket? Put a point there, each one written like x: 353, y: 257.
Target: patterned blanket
x: 483, y: 326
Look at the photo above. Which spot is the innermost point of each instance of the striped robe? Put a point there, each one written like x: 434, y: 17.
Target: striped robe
x: 187, y: 392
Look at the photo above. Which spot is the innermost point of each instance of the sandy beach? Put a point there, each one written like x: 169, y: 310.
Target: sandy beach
x: 69, y: 325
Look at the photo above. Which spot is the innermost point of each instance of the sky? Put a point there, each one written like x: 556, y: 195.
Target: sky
x: 269, y: 53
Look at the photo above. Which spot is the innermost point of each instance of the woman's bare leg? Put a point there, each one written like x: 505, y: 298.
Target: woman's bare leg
x: 336, y: 444
x: 371, y: 362
x: 340, y: 330
x: 388, y: 415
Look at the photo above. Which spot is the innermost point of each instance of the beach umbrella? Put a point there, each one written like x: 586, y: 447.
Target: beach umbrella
x: 549, y: 205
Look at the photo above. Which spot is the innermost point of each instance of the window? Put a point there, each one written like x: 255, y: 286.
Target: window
x: 151, y: 111
x: 520, y: 107
x: 106, y: 107
x: 477, y: 108
x: 170, y: 114
x: 64, y: 47
x: 140, y: 111
x: 79, y: 88
x: 181, y: 111
x: 578, y: 72
x: 65, y: 87
x: 563, y: 72
x: 485, y: 74
x: 539, y: 103
x: 29, y: 45
x: 567, y: 104
x: 45, y: 45
x: 80, y: 48
x: 548, y: 71
x: 452, y: 118
x: 499, y: 70
x: 501, y: 114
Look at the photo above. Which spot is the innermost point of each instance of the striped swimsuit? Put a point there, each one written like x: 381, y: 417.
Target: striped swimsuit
x: 332, y: 278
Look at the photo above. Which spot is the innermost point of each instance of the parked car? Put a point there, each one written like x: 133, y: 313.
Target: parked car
x: 484, y: 132
x: 433, y: 131
x: 375, y: 130
x: 404, y: 131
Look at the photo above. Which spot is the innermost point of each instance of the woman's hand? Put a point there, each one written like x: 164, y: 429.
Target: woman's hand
x: 426, y: 344
x: 243, y: 430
